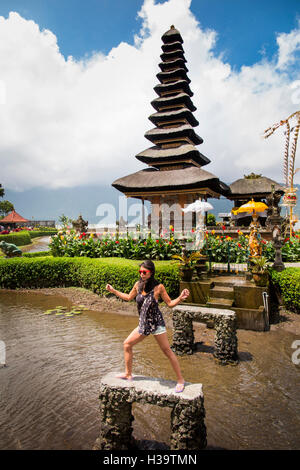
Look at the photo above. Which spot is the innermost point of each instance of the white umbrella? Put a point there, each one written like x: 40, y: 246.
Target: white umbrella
x: 198, y: 206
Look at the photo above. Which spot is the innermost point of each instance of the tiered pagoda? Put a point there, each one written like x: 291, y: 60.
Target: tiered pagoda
x: 175, y: 176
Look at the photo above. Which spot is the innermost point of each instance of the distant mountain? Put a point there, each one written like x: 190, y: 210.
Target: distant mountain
x: 50, y: 204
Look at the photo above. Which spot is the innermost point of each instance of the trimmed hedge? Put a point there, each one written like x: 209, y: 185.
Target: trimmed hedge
x: 288, y: 283
x: 17, y: 238
x: 92, y: 274
x: 37, y: 254
x: 42, y: 233
x: 24, y: 237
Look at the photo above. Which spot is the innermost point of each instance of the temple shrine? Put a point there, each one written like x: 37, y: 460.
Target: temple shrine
x: 175, y: 176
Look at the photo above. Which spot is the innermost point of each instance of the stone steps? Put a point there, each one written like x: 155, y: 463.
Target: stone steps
x: 220, y: 303
x: 222, y: 292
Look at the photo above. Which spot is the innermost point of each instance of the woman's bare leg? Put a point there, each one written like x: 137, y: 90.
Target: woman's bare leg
x: 128, y: 344
x: 164, y: 345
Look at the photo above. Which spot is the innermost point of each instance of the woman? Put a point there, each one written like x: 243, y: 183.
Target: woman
x: 147, y: 292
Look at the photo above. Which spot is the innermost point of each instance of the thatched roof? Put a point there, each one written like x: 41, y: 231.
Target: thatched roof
x: 184, y: 152
x: 182, y: 113
x: 181, y: 85
x: 261, y: 186
x: 171, y: 36
x: 172, y: 46
x: 178, y: 73
x: 174, y: 132
x: 180, y: 98
x: 151, y: 179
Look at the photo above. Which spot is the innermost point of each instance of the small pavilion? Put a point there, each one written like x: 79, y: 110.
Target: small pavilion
x: 257, y: 187
x: 175, y: 176
x: 12, y: 219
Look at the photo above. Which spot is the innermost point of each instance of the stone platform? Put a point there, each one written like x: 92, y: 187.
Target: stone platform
x: 224, y: 323
x: 233, y: 292
x: 188, y: 430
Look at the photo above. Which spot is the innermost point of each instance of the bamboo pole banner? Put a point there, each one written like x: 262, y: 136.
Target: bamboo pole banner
x: 290, y: 197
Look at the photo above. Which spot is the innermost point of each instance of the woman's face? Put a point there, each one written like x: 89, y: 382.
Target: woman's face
x: 144, y: 273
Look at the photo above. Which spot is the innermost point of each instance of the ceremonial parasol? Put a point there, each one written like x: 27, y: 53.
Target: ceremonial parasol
x: 198, y: 206
x: 252, y: 207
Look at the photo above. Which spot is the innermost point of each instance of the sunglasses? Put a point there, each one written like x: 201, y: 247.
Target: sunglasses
x: 144, y: 271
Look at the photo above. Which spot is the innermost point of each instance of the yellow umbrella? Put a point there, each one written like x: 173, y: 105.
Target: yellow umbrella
x: 251, y: 206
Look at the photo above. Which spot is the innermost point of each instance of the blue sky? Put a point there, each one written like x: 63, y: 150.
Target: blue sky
x: 246, y: 28
x: 77, y: 78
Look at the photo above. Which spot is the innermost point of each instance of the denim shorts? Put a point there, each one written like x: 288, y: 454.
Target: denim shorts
x: 159, y: 330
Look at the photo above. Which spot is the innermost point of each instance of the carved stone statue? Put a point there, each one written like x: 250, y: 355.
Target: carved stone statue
x: 277, y: 242
x: 273, y: 211
x: 254, y: 243
x: 80, y: 225
x: 10, y: 250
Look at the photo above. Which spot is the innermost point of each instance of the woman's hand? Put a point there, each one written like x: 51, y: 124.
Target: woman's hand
x: 184, y: 294
x: 109, y: 288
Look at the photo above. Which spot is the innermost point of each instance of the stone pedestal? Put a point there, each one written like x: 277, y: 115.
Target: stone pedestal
x: 224, y: 322
x: 188, y: 430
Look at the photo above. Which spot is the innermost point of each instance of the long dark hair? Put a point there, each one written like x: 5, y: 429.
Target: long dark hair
x: 148, y: 285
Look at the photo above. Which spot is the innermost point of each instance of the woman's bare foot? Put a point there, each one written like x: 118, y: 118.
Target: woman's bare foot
x: 124, y: 376
x: 179, y: 387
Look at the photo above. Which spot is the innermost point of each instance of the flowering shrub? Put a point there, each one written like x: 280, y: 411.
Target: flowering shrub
x: 291, y: 249
x: 89, y: 245
x: 221, y: 248
x: 224, y: 248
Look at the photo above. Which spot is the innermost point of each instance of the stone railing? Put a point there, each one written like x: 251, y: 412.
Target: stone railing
x: 188, y: 430
x: 224, y: 322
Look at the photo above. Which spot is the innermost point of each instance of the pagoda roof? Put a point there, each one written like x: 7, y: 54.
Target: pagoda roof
x: 179, y: 62
x: 247, y: 187
x: 185, y: 152
x: 181, y: 85
x: 176, y: 74
x: 172, y: 115
x: 180, y: 98
x: 185, y: 130
x: 171, y: 55
x: 14, y: 218
x: 171, y: 46
x: 171, y: 35
x: 151, y: 179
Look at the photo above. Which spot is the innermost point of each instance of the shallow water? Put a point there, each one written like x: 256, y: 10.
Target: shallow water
x: 49, y: 391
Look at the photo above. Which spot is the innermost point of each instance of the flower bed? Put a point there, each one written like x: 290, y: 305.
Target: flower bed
x: 237, y: 250
x: 93, y: 246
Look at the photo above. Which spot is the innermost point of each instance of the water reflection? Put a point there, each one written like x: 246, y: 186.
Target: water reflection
x: 49, y: 391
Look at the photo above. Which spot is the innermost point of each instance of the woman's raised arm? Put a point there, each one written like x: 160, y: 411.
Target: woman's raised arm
x: 172, y: 303
x: 132, y: 294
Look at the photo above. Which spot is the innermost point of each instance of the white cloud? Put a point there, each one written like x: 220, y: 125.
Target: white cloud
x: 65, y: 122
